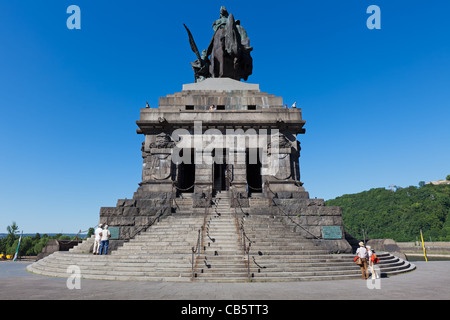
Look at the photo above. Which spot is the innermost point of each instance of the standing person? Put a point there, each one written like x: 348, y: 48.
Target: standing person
x: 105, y: 234
x: 361, y: 252
x: 372, y: 261
x: 97, y: 239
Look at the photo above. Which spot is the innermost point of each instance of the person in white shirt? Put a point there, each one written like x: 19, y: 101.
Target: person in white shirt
x: 105, y: 234
x: 97, y: 239
x: 373, y: 270
x: 361, y: 252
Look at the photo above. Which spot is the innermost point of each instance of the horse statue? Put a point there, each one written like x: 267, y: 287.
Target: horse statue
x: 228, y: 51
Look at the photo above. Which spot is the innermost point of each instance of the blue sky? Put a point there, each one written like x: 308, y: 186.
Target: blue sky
x: 376, y: 102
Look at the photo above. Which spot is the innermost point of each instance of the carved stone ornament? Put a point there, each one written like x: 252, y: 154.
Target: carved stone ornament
x: 281, y: 140
x: 160, y: 167
x: 163, y: 141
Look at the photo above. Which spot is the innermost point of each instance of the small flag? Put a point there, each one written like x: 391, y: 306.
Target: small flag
x: 18, y: 246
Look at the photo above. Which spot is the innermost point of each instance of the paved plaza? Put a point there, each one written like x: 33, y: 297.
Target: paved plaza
x: 430, y: 281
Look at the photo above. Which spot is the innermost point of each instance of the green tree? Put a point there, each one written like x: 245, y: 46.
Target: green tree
x: 397, y: 215
x: 12, y: 229
x: 11, y: 236
x: 3, y: 245
x: 91, y: 231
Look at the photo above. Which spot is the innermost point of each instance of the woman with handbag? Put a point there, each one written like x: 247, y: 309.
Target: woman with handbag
x: 373, y: 259
x: 362, y: 256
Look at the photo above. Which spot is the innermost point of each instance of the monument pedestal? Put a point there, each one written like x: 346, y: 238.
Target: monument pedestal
x: 224, y: 135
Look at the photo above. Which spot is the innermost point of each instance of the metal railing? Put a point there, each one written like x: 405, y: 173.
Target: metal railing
x: 197, y: 249
x: 200, y: 240
x: 246, y: 242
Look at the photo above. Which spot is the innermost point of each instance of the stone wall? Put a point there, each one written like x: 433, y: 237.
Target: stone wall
x: 133, y: 215
x: 309, y: 217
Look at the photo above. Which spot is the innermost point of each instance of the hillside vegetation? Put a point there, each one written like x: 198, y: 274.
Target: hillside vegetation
x: 29, y: 245
x: 398, y: 214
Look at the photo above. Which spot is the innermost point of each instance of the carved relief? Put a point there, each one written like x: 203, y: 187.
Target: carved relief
x: 282, y: 166
x: 279, y: 140
x: 160, y: 166
x: 163, y: 141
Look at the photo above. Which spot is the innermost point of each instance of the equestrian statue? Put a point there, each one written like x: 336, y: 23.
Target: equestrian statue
x: 228, y: 54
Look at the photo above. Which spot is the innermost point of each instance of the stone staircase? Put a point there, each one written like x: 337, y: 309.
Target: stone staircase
x: 164, y: 252
x: 278, y: 254
x: 222, y: 259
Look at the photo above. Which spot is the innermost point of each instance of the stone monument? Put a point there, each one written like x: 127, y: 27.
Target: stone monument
x: 221, y: 135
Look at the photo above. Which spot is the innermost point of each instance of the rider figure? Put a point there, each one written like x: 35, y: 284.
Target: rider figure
x: 222, y: 22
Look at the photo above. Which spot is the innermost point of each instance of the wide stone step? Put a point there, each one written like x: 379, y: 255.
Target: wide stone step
x: 167, y: 265
x: 212, y: 265
x: 221, y: 232
x: 280, y: 245
x: 159, y: 244
x: 155, y: 240
x: 149, y: 252
x: 117, y: 271
x: 214, y: 243
x: 96, y: 267
x: 149, y: 277
x: 106, y: 263
x: 173, y: 230
x: 156, y: 236
x: 120, y: 260
x: 231, y: 275
x: 290, y: 252
x: 223, y: 252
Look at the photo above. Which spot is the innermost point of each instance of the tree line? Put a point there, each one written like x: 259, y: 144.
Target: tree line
x: 398, y: 213
x: 29, y: 245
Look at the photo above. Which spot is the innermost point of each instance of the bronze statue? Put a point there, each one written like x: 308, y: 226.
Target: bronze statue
x: 201, y: 68
x: 228, y: 54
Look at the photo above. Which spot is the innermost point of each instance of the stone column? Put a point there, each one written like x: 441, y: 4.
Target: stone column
x: 281, y: 170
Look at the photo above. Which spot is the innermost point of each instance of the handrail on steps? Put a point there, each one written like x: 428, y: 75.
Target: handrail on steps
x: 200, y: 240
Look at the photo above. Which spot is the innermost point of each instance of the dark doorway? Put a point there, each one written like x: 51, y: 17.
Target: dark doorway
x: 254, y: 178
x: 186, y: 174
x: 220, y: 166
x: 219, y: 177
